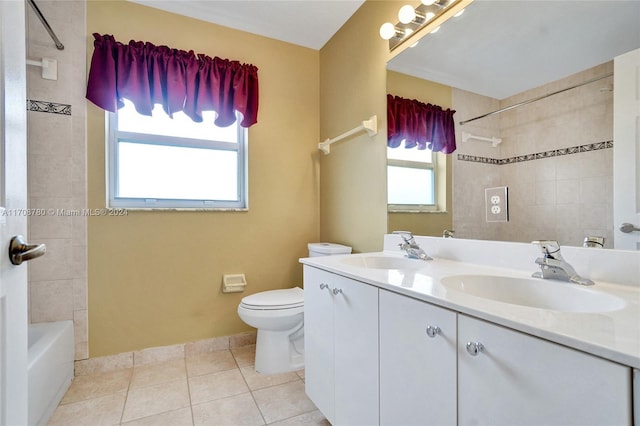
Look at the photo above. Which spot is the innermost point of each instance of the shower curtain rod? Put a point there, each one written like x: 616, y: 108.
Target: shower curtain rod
x: 55, y: 39
x: 462, y: 123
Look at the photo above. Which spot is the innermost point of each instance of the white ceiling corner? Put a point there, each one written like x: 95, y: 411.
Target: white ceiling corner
x: 307, y: 23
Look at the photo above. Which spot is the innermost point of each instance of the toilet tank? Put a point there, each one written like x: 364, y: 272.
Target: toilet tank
x: 327, y: 249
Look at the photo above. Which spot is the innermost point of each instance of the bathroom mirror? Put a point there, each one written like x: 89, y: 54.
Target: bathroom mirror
x: 497, y: 54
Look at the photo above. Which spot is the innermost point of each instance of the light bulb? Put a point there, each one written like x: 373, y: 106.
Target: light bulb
x: 428, y: 2
x: 435, y: 30
x: 459, y: 13
x: 387, y: 30
x: 407, y: 32
x: 429, y: 16
x: 406, y: 14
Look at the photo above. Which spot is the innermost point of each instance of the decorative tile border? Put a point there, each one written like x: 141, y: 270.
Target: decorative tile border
x: 538, y: 155
x: 50, y: 107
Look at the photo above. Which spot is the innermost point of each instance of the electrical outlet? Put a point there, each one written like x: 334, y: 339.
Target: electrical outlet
x: 496, y: 203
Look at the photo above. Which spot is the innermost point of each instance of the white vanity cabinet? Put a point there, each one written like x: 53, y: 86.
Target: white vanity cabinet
x: 373, y: 356
x: 341, y: 347
x: 506, y: 377
x: 417, y: 362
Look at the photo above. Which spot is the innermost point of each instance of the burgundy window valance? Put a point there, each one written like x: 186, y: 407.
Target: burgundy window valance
x: 178, y: 80
x: 419, y: 124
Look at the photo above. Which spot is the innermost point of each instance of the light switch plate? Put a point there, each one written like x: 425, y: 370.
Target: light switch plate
x: 497, y: 204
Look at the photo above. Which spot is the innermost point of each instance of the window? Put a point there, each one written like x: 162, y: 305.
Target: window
x: 159, y: 162
x: 411, y: 179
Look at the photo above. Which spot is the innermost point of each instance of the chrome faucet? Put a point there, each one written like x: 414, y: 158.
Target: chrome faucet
x: 553, y: 265
x: 410, y: 246
x: 595, y: 242
x: 448, y: 233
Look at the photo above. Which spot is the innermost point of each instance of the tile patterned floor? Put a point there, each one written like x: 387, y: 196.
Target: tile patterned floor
x: 214, y: 388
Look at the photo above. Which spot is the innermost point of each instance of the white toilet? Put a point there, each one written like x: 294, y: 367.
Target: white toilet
x: 279, y: 317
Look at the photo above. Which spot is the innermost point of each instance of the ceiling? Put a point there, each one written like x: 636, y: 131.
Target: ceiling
x: 497, y: 48
x: 501, y: 48
x: 305, y: 23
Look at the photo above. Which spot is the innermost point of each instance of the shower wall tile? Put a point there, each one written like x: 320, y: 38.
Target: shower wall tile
x: 51, y: 301
x: 57, y: 169
x: 80, y: 323
x: 557, y: 162
x: 81, y: 350
x: 51, y: 176
x: 568, y: 191
x: 47, y: 224
x: 80, y: 294
x: 596, y: 164
x: 55, y: 264
x: 567, y: 167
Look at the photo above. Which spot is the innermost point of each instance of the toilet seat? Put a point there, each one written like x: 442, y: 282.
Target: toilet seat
x: 289, y: 298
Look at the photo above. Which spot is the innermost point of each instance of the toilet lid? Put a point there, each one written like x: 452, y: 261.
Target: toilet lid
x: 275, y: 299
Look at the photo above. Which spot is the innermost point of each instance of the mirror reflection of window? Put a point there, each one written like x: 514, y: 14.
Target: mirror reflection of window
x: 411, y: 179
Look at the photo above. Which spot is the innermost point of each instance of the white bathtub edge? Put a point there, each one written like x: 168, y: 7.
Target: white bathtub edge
x: 50, y: 368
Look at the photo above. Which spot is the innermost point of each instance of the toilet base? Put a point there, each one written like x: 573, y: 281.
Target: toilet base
x: 279, y: 351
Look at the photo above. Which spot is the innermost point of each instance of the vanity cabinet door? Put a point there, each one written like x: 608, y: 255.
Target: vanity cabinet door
x: 341, y: 347
x: 514, y: 378
x: 417, y: 362
x: 356, y: 353
x: 318, y: 340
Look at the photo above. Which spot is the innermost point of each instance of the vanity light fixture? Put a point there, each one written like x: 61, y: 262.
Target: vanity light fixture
x: 388, y: 30
x: 408, y: 14
x: 414, y: 19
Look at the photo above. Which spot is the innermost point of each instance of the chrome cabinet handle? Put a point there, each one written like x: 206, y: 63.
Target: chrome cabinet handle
x: 433, y: 331
x: 323, y: 286
x: 20, y: 251
x: 337, y: 291
x: 474, y: 348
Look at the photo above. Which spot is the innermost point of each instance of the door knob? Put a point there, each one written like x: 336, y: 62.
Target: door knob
x: 20, y: 251
x: 628, y: 227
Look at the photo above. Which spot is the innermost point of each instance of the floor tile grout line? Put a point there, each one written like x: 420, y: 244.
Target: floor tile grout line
x: 264, y: 420
x: 186, y: 371
x: 236, y: 362
x: 292, y: 417
x: 126, y: 396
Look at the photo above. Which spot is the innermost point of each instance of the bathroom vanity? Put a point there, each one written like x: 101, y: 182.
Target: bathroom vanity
x: 396, y: 341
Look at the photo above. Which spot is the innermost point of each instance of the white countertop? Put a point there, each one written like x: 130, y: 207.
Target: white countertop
x: 612, y: 335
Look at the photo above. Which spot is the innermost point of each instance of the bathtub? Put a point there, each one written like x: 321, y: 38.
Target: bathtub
x: 49, y: 367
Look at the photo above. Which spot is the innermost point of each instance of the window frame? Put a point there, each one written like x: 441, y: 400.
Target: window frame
x: 433, y: 166
x: 113, y: 137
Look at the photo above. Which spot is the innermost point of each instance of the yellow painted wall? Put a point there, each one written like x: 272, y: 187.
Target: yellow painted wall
x: 431, y: 223
x: 155, y: 277
x: 352, y: 86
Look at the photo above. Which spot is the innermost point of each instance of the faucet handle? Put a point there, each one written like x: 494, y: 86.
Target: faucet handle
x: 407, y: 236
x: 548, y: 247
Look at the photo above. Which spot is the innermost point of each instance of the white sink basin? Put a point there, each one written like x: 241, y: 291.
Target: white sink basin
x: 385, y: 262
x: 534, y: 292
